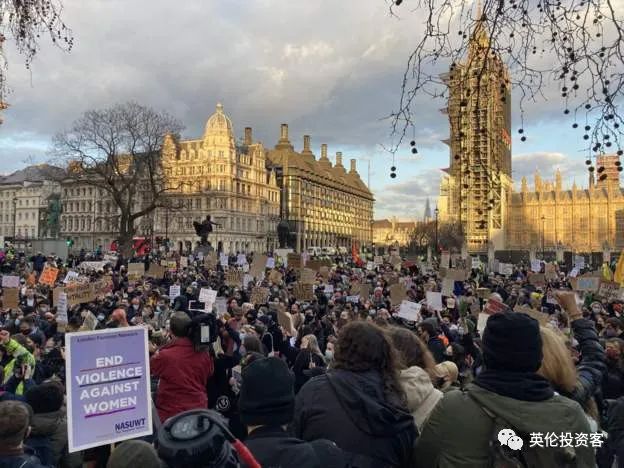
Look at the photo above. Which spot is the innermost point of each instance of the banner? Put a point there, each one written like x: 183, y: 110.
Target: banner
x: 108, y: 387
x: 48, y: 275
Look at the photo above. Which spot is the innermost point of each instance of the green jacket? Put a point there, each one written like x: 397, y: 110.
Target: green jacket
x: 15, y: 350
x: 458, y: 431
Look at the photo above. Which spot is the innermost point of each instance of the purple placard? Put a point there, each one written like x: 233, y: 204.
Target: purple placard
x: 108, y: 387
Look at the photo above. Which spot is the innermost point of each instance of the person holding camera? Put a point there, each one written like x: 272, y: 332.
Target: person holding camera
x: 183, y: 371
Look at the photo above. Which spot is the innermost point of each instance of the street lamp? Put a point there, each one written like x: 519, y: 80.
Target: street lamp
x: 436, y: 212
x: 543, y: 234
x: 14, y: 218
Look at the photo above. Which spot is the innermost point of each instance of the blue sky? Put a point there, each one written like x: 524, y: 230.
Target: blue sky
x: 329, y: 69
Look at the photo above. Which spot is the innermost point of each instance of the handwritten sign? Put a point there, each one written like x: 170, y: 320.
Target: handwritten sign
x: 586, y: 283
x: 207, y: 296
x: 258, y: 265
x: 259, y: 295
x: 221, y: 306
x: 174, y: 291
x: 136, y: 271
x: 364, y: 291
x: 476, y: 263
x: 79, y: 293
x: 483, y: 293
x: 609, y: 291
x: 224, y: 260
x: 10, y: 281
x: 550, y: 271
x: 537, y: 279
x: 397, y: 294
x: 448, y: 284
x: 108, y: 387
x: 294, y: 261
x: 270, y: 262
x: 434, y: 300
x: 61, y: 310
x: 156, y: 271
x: 48, y: 275
x: 303, y: 292
x: 275, y: 276
x: 505, y: 269
x: 184, y: 262
x: 210, y: 260
x: 308, y: 276
x: 241, y: 259
x: 234, y: 278
x: 71, y: 276
x: 10, y: 298
x: 410, y: 311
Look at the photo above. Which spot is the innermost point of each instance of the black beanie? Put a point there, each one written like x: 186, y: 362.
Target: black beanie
x: 267, y: 397
x: 512, y: 342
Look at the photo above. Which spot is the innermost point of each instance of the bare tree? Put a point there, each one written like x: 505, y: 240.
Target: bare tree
x: 450, y: 236
x: 118, y: 150
x: 578, y: 44
x: 23, y: 22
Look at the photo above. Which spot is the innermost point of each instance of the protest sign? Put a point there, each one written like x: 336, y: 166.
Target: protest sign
x: 448, y: 284
x: 210, y: 260
x: 96, y: 266
x: 493, y: 306
x: 307, y: 276
x: 110, y: 258
x: 391, y: 279
x: 234, y: 278
x: 573, y: 273
x: 458, y: 262
x: 537, y: 279
x: 172, y: 265
x: 61, y: 310
x: 550, y: 271
x: 184, y: 262
x: 434, y: 300
x: 395, y: 260
x: 89, y: 322
x: 241, y: 259
x: 445, y: 260
x: 328, y: 288
x: 586, y: 283
x: 48, y: 275
x: 410, y: 311
x: 174, y: 291
x: 324, y: 271
x: 79, y: 293
x: 397, y: 294
x: 10, y: 298
x: 10, y: 281
x: 364, y: 291
x: 156, y: 271
x: 258, y: 265
x: 270, y: 262
x: 378, y: 260
x: 579, y: 262
x: 221, y: 306
x: 275, y: 276
x: 476, y: 263
x: 136, y: 271
x: 294, y: 261
x: 246, y: 280
x: 108, y: 387
x: 303, y: 292
x: 482, y: 322
x: 370, y: 266
x: 224, y: 260
x: 456, y: 275
x: 259, y: 295
x: 541, y: 317
x: 505, y: 269
x: 483, y: 293
x: 353, y: 299
x: 207, y: 295
x: 536, y: 266
x: 609, y: 291
x: 56, y: 292
x: 71, y: 276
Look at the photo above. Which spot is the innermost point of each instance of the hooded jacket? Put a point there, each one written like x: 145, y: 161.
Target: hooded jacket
x: 458, y: 431
x: 422, y: 397
x: 52, y: 426
x: 350, y: 409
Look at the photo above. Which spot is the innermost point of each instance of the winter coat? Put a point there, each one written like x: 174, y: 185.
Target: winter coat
x: 25, y: 459
x: 592, y: 367
x: 53, y: 427
x: 422, y: 397
x: 183, y: 375
x: 350, y: 409
x: 437, y: 349
x: 273, y: 447
x: 459, y: 431
x: 303, y: 363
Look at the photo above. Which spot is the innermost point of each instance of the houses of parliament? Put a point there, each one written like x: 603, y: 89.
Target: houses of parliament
x: 477, y: 189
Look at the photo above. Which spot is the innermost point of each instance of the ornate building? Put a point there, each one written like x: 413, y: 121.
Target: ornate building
x: 580, y: 219
x: 391, y: 232
x: 324, y: 205
x: 234, y: 183
x: 476, y: 186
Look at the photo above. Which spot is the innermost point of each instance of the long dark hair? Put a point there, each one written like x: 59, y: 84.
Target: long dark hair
x: 363, y: 346
x: 411, y: 349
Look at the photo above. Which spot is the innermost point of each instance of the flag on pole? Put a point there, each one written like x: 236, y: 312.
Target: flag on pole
x: 618, y: 277
x: 607, y: 274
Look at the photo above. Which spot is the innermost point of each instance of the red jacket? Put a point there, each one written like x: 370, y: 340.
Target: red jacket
x: 183, y: 377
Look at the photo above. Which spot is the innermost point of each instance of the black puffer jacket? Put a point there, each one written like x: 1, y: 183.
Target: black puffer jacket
x: 592, y: 367
x: 350, y: 409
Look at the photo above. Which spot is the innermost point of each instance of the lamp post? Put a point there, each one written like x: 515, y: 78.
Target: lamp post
x: 543, y: 235
x: 436, y: 212
x: 14, y: 218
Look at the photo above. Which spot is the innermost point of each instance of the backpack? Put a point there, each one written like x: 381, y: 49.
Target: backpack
x: 501, y: 456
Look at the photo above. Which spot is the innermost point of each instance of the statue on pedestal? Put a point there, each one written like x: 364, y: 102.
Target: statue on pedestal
x: 283, y: 234
x: 204, y: 228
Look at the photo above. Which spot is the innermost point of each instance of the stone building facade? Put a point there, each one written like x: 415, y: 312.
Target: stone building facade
x: 392, y: 232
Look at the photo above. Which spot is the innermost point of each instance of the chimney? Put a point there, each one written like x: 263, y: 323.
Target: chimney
x: 323, y: 151
x: 284, y: 132
x: 338, y: 158
x: 353, y: 166
x: 248, y: 137
x: 306, y: 143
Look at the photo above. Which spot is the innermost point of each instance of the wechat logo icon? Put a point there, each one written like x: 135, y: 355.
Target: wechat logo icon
x: 509, y: 438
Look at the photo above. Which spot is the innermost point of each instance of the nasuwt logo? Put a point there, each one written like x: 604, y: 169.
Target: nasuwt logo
x: 509, y: 438
x: 129, y: 425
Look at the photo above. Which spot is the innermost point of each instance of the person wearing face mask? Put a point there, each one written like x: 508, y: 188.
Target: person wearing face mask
x: 134, y: 309
x: 29, y: 300
x: 613, y: 328
x: 162, y: 312
x: 613, y: 381
x: 28, y: 328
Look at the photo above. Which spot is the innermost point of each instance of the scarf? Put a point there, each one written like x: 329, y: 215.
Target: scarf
x: 523, y: 386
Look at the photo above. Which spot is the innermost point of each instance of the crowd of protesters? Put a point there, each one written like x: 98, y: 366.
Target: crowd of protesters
x: 337, y: 380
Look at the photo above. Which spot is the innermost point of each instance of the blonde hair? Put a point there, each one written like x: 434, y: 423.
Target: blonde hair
x: 313, y: 344
x: 557, y: 365
x: 448, y: 371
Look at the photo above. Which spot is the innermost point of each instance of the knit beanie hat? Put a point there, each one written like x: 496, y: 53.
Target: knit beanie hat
x: 267, y: 397
x: 45, y: 398
x: 134, y: 454
x: 512, y: 342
